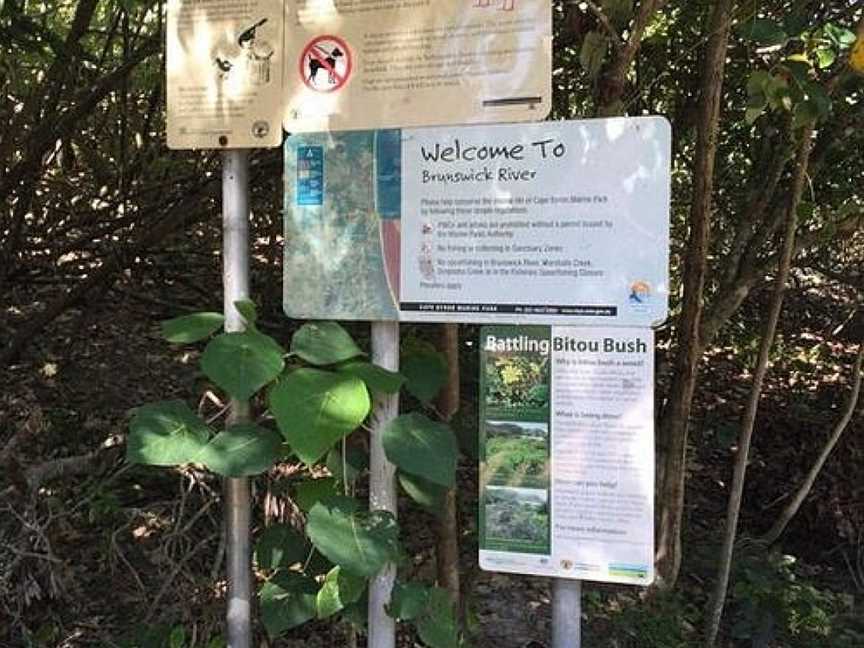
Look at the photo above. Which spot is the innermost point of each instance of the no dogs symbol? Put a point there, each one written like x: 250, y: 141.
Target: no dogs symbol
x: 325, y: 64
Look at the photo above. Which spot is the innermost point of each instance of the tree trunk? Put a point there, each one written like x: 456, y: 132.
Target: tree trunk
x: 447, y: 547
x: 714, y: 611
x: 673, y: 429
x: 791, y: 509
x: 609, y: 94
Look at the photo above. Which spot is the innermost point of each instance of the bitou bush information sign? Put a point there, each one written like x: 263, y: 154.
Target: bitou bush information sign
x: 567, y: 452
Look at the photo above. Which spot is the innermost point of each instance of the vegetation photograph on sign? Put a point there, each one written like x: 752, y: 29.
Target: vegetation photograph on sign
x: 517, y: 454
x: 517, y: 382
x: 117, y: 376
x: 516, y: 519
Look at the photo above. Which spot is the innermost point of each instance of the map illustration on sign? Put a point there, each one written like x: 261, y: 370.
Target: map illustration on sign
x: 344, y: 243
x: 512, y: 224
x: 381, y: 64
x: 224, y: 74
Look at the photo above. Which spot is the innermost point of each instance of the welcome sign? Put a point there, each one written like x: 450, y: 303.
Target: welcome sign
x: 555, y: 222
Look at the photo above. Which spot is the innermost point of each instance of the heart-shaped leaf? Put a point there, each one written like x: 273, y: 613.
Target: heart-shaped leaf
x: 764, y: 31
x: 324, y: 343
x: 247, y: 309
x: 287, y: 601
x: 242, y: 450
x: 428, y: 495
x: 314, y: 409
x: 360, y: 542
x: 376, y: 378
x: 340, y: 590
x: 242, y: 363
x: 422, y: 447
x: 408, y: 601
x: 309, y: 492
x: 192, y: 328
x: 425, y: 371
x: 437, y: 626
x: 280, y: 546
x: 349, y: 467
x: 166, y: 434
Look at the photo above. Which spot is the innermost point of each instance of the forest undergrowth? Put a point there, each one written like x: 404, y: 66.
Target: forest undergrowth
x: 96, y: 552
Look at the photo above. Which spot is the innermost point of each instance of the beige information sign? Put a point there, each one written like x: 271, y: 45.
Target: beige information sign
x: 225, y: 73
x: 364, y: 64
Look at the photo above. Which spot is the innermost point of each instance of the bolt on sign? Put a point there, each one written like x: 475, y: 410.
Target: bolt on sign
x: 224, y: 73
x: 550, y: 223
x: 363, y: 64
x: 567, y: 452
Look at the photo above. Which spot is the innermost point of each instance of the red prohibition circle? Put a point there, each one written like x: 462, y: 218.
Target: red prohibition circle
x: 312, y: 50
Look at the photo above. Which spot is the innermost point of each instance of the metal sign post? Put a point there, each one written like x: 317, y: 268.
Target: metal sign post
x: 238, y: 506
x: 382, y: 483
x: 566, y: 613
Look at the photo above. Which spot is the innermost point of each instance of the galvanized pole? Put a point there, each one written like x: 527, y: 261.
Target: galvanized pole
x: 566, y: 613
x: 382, y: 483
x: 238, y: 495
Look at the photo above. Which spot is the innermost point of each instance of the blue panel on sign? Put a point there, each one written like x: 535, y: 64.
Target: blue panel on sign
x: 388, y: 162
x: 310, y: 175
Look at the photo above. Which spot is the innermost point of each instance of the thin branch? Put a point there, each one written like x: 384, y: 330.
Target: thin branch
x: 603, y: 19
x: 791, y: 508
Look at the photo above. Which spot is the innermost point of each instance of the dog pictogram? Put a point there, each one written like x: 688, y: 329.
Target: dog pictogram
x: 326, y: 64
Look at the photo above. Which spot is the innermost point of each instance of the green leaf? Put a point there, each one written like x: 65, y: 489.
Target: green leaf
x: 286, y: 602
x: 340, y: 590
x: 839, y: 35
x: 819, y: 97
x: 758, y: 82
x: 376, y: 378
x: 247, y: 309
x: 593, y: 53
x: 422, y: 447
x: 425, y: 371
x: 752, y: 113
x: 311, y: 491
x: 764, y: 31
x: 408, y: 601
x: 314, y: 409
x: 242, y: 450
x: 618, y: 11
x: 428, y: 495
x: 280, y: 546
x: 825, y: 57
x: 349, y: 468
x: 794, y: 24
x: 165, y: 434
x: 192, y: 328
x: 799, y: 69
x: 356, y: 613
x: 437, y: 627
x: 242, y: 363
x: 324, y: 343
x: 178, y: 637
x: 361, y: 542
x: 805, y: 112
